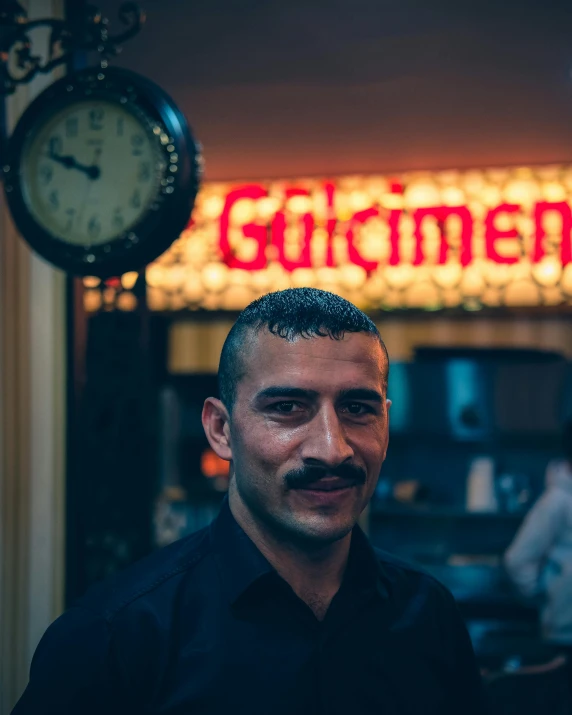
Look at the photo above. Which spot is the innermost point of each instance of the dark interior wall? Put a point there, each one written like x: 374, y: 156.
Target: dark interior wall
x: 317, y: 87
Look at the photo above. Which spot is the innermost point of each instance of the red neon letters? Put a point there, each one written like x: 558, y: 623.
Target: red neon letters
x: 274, y: 232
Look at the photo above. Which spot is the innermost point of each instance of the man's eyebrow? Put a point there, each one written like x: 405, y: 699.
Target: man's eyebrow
x: 361, y: 393
x: 283, y: 391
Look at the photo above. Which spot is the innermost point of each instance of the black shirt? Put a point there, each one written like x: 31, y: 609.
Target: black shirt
x: 207, y: 626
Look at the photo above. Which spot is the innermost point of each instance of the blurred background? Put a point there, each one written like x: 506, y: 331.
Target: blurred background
x: 437, y: 115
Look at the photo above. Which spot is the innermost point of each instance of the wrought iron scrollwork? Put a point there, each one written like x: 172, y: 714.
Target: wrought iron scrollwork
x: 18, y: 63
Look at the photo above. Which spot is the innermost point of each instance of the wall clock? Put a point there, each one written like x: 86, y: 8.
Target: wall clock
x: 102, y: 172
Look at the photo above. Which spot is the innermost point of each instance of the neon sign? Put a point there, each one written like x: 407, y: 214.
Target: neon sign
x: 418, y: 240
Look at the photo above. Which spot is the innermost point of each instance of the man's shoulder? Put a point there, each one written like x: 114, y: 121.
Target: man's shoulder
x: 411, y: 581
x: 152, y: 577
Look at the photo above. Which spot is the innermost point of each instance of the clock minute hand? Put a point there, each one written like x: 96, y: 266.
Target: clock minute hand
x: 70, y: 162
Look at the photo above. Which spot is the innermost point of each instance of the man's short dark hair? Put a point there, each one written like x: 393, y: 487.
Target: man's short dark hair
x: 290, y: 314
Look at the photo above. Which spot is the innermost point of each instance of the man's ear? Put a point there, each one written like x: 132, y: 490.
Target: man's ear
x: 216, y: 424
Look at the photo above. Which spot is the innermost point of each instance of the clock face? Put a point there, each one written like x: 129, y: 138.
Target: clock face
x: 91, y: 172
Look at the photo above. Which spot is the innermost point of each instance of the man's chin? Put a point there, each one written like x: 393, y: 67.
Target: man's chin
x: 321, y: 530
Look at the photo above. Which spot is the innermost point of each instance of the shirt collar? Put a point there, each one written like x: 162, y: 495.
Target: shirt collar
x: 241, y: 564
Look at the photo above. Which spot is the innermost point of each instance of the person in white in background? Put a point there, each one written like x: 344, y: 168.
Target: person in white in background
x: 539, y: 560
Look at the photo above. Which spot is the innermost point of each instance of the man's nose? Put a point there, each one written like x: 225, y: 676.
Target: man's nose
x: 326, y: 440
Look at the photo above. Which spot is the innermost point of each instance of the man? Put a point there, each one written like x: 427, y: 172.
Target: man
x: 281, y: 605
x: 539, y: 559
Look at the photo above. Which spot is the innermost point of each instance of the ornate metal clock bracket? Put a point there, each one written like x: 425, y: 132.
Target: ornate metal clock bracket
x: 18, y: 64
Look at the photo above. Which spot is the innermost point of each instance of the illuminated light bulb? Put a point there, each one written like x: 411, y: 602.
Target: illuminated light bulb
x: 554, y: 191
x: 375, y: 288
x: 275, y: 272
x: 174, y: 277
x: 552, y: 296
x: 267, y: 207
x: 156, y: 299
x: 399, y: 276
x: 524, y: 225
x: 242, y: 212
x: 196, y: 254
x: 448, y: 178
x: 497, y: 176
x: 422, y: 195
x: 407, y: 247
x: 304, y: 278
x: 491, y: 297
x: 127, y: 301
x: 282, y: 283
x: 212, y: 207
x: 473, y: 182
x: 318, y: 253
x: 472, y: 283
x: 211, y: 301
x: 552, y: 223
x: 566, y: 280
x: 376, y: 186
x: 91, y: 282
x: 108, y: 295
x: 215, y: 276
x: 239, y: 277
x: 129, y: 279
x: 497, y: 274
x: 246, y: 250
x: 92, y: 301
x: 523, y: 192
x: 155, y: 275
x: 505, y: 222
x: 491, y: 196
x: 352, y: 277
x: 523, y: 172
x: 320, y: 205
x: 359, y: 200
x: 176, y: 301
x: 327, y: 276
x: 342, y: 207
x: 374, y: 243
x: 299, y: 204
x: 452, y: 297
x: 278, y: 276
x: 453, y: 196
x: 548, y: 173
x: 430, y: 229
x: 392, y: 201
x: 422, y: 295
x: 193, y: 289
x: 447, y: 276
x: 393, y: 299
x: 260, y: 281
x: 567, y: 179
x: 520, y: 270
x: 521, y: 294
x: 406, y: 225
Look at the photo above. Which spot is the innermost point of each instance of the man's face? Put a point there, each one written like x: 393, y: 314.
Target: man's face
x: 308, y: 433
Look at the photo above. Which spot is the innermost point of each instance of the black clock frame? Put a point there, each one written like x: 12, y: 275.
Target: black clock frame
x: 168, y: 213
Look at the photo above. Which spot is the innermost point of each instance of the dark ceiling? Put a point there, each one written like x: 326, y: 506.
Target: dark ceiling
x: 316, y: 87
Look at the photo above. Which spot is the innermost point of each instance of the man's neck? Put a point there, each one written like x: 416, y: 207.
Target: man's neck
x: 314, y: 573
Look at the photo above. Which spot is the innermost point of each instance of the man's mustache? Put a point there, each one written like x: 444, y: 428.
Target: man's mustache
x: 300, y: 478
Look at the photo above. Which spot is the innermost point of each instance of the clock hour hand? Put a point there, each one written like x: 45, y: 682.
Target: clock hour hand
x: 70, y: 162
